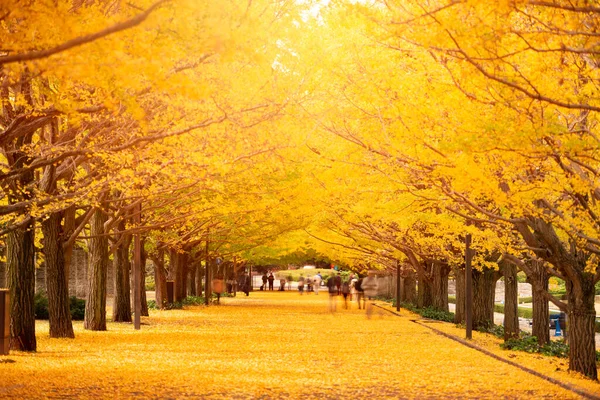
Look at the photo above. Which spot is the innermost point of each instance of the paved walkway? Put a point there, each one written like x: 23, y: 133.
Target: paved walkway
x: 268, y: 346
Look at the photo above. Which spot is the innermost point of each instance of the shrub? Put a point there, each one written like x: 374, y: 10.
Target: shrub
x: 150, y: 284
x: 528, y: 343
x: 429, y: 312
x: 41, y: 306
x: 152, y: 305
x: 76, y: 306
x: 496, y: 330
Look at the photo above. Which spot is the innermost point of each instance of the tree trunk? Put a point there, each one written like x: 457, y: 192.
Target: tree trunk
x: 461, y: 295
x: 21, y: 282
x: 175, y: 266
x: 440, y: 285
x: 409, y: 289
x: 160, y: 279
x: 541, y: 312
x: 192, y: 281
x: 57, y: 285
x: 484, y: 293
x: 95, y: 306
x: 424, y: 292
x: 181, y: 277
x: 581, y: 326
x: 122, y: 268
x: 511, y: 312
x: 143, y: 299
x: 3, y: 274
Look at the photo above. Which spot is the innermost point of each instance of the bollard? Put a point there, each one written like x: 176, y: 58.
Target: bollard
x: 4, y: 322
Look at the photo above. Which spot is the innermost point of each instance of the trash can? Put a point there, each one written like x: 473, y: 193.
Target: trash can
x: 4, y: 322
x: 170, y: 292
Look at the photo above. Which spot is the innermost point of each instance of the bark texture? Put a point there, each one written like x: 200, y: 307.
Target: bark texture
x: 440, y: 272
x: 122, y: 268
x: 95, y: 306
x: 581, y: 327
x: 511, y: 315
x: 409, y: 288
x: 143, y: 298
x: 484, y: 292
x: 541, y: 311
x: 459, y: 279
x: 21, y: 282
x: 57, y: 286
x: 160, y: 278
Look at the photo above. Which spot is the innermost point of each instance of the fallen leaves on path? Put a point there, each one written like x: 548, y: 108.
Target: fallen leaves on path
x: 268, y: 345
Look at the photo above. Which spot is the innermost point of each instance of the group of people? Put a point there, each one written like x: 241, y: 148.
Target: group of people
x: 355, y: 288
x: 311, y: 284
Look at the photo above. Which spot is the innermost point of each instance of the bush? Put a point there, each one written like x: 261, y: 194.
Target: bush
x: 429, y: 312
x: 496, y: 330
x: 152, y: 305
x: 76, y: 306
x: 529, y: 344
x: 150, y: 284
x: 41, y: 306
x: 178, y: 305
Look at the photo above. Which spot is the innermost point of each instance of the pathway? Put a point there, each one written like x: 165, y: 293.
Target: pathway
x: 267, y: 345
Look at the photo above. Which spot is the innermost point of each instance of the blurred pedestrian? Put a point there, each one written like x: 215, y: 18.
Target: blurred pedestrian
x: 370, y: 288
x: 353, y: 280
x: 301, y: 284
x: 245, y: 283
x: 264, y: 281
x: 271, y: 280
x: 360, y: 295
x: 282, y: 284
x: 346, y: 292
x: 338, y: 283
x: 317, y: 279
x: 332, y: 293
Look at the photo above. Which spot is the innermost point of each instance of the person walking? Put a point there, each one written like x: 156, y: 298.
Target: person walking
x: 264, y: 281
x: 282, y: 284
x: 332, y: 293
x: 245, y: 283
x: 360, y: 295
x: 317, y: 279
x: 301, y: 284
x: 370, y: 287
x: 346, y: 292
x: 338, y: 283
x: 271, y: 280
x: 353, y: 280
